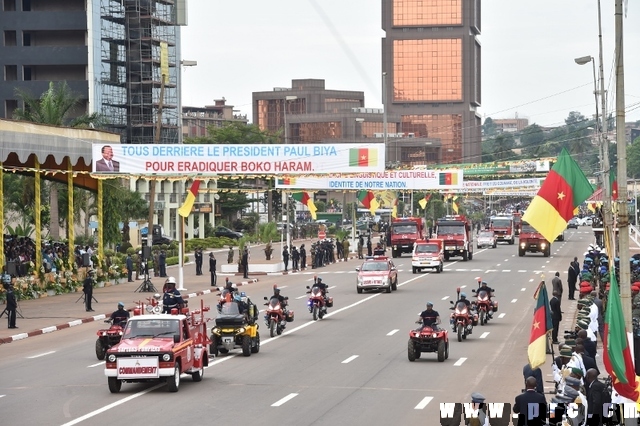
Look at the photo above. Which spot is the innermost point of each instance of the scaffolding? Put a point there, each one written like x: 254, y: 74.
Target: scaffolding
x: 131, y: 34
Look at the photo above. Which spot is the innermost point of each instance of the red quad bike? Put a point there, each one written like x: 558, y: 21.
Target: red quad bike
x: 107, y: 338
x: 275, y: 317
x: 316, y: 303
x: 426, y: 339
x: 462, y: 320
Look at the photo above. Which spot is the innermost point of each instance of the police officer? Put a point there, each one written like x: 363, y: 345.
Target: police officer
x: 87, y: 288
x: 172, y: 297
x: 212, y: 269
x: 430, y: 317
x: 463, y: 299
x: 12, y: 303
x: 120, y: 317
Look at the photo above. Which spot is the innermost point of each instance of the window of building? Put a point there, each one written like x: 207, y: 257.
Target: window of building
x: 10, y: 72
x: 435, y: 61
x: 427, y: 13
x: 9, y: 5
x: 26, y: 73
x: 445, y: 127
x: 26, y: 5
x: 26, y: 39
x: 316, y: 132
x: 10, y: 105
x: 10, y: 38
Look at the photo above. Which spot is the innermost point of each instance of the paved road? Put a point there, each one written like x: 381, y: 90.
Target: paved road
x: 349, y: 369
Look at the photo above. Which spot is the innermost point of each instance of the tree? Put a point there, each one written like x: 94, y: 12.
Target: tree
x: 531, y: 135
x: 54, y: 107
x: 502, y: 147
x: 489, y: 127
x: 633, y: 159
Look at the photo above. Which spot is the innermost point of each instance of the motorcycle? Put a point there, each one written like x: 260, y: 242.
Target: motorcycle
x: 317, y: 304
x: 107, y: 338
x: 276, y: 318
x: 462, y: 320
x: 428, y: 339
x: 484, y: 306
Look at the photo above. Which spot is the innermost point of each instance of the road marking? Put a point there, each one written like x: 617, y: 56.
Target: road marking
x: 459, y: 362
x: 461, y: 270
x: 523, y: 289
x: 484, y: 335
x: 445, y: 298
x: 348, y: 360
x: 490, y: 270
x: 95, y: 365
x: 498, y: 264
x: 522, y: 270
x: 501, y: 315
x: 285, y: 399
x: 282, y: 286
x: 2, y: 396
x: 425, y: 401
x: 531, y: 280
x: 44, y: 354
x: 333, y: 286
x: 392, y: 332
x: 543, y: 266
x: 463, y: 286
x: 506, y: 270
x: 477, y: 270
x: 548, y: 261
x: 514, y: 300
x: 301, y: 297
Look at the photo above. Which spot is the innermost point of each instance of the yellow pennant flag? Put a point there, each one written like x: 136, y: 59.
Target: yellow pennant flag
x: 454, y: 205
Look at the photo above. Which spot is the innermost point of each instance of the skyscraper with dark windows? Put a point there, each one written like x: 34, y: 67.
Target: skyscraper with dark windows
x: 431, y: 73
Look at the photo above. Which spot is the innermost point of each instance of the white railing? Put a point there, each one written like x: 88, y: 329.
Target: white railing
x: 634, y: 234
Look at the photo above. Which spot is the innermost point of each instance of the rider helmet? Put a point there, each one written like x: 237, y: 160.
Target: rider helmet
x: 463, y: 295
x: 429, y: 305
x: 318, y: 280
x: 237, y: 298
x: 603, y: 269
x: 276, y: 290
x: 120, y: 305
x: 6, y: 279
x: 170, y: 280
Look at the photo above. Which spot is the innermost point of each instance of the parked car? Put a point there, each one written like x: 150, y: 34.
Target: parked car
x: 487, y: 239
x: 585, y: 221
x: 221, y: 231
x: 573, y: 223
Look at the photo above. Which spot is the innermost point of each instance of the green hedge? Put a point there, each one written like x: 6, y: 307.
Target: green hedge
x: 206, y: 243
x: 174, y: 260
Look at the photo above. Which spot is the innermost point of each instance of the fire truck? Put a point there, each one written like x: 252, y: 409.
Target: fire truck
x: 159, y: 347
x: 503, y: 228
x: 517, y: 222
x: 404, y: 233
x: 532, y: 241
x: 456, y: 231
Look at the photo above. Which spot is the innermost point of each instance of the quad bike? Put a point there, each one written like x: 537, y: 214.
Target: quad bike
x: 428, y: 339
x: 107, y: 338
x: 276, y: 318
x: 235, y: 330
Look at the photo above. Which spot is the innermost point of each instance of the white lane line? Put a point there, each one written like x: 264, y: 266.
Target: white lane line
x: 490, y: 270
x: 463, y: 286
x: 459, y: 362
x: 425, y: 401
x: 477, y: 270
x: 523, y: 289
x: 392, y: 332
x: 548, y: 261
x: 95, y: 365
x: 514, y: 300
x: 282, y: 286
x: 501, y: 315
x: 2, y: 396
x: 531, y: 280
x: 484, y: 335
x: 285, y: 399
x: 333, y: 286
x: 506, y: 270
x: 522, y: 270
x: 44, y: 354
x: 301, y: 297
x: 348, y: 360
x: 445, y: 298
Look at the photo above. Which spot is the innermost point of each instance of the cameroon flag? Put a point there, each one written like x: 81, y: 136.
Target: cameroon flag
x: 305, y: 199
x: 537, y: 350
x: 185, y: 209
x: 424, y: 201
x: 564, y: 188
x: 368, y: 200
x: 363, y: 157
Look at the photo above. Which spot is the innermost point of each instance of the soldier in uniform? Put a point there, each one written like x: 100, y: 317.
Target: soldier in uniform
x: 303, y: 257
x: 230, y: 255
x: 346, y: 245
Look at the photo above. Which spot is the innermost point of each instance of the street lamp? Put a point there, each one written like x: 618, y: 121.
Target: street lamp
x: 285, y: 196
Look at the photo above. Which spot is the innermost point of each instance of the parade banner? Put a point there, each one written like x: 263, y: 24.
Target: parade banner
x: 389, y: 180
x: 499, y: 168
x: 180, y: 159
x: 507, y: 183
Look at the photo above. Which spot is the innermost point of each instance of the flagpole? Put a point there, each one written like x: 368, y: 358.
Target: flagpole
x: 181, y: 257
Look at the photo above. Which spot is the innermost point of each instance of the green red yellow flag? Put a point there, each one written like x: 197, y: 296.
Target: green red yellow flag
x: 368, y: 200
x: 454, y: 204
x: 564, y: 188
x: 447, y: 178
x: 537, y: 349
x: 305, y: 199
x: 363, y: 157
x: 424, y: 201
x: 185, y: 209
x: 618, y: 360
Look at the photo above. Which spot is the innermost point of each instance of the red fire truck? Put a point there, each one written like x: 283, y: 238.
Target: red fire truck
x: 456, y: 231
x: 159, y: 347
x: 503, y: 228
x: 404, y: 233
x: 517, y: 222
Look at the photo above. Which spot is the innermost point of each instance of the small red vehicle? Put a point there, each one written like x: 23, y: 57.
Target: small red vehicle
x: 316, y: 303
x: 428, y: 339
x: 377, y: 273
x: 107, y: 338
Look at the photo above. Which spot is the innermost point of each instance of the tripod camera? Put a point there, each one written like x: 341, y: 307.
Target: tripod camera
x: 146, y: 286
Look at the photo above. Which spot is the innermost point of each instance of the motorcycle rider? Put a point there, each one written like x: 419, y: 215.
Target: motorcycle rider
x: 172, y: 297
x: 482, y: 286
x: 463, y: 299
x: 283, y: 301
x: 430, y: 317
x: 323, y: 287
x: 379, y: 250
x: 120, y: 316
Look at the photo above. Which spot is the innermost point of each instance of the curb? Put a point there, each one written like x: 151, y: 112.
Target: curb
x: 99, y: 317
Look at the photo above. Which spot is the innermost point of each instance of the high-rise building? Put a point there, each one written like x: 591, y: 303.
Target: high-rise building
x: 111, y: 53
x: 431, y: 73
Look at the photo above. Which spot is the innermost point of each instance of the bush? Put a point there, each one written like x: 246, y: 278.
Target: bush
x: 124, y: 247
x: 173, y: 260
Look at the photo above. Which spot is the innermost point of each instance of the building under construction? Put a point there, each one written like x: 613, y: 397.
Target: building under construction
x: 111, y: 53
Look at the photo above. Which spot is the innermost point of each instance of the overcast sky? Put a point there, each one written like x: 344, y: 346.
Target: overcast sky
x: 528, y: 51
